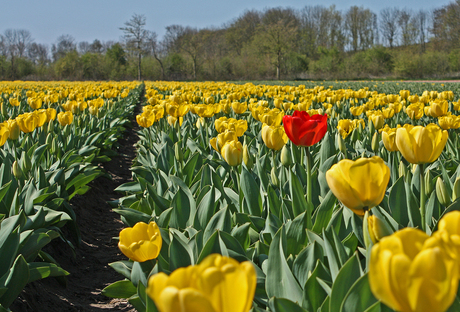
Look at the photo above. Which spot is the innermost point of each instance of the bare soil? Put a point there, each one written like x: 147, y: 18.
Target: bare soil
x: 88, y: 263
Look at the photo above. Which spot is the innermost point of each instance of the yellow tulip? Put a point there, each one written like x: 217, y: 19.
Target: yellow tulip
x: 232, y: 152
x: 378, y: 120
x: 415, y: 111
x: 412, y: 272
x: 27, y: 122
x: 172, y: 121
x: 141, y: 242
x: 14, y: 129
x: 388, y: 138
x: 50, y: 114
x: 274, y: 137
x: 225, y: 137
x: 42, y: 116
x: 450, y: 224
x: 146, y: 119
x: 439, y: 108
x: 65, y: 118
x: 359, y: 185
x: 206, y: 287
x: 419, y: 144
x: 345, y: 127
x: 4, y: 132
x: 239, y: 107
x: 377, y: 229
x: 204, y: 110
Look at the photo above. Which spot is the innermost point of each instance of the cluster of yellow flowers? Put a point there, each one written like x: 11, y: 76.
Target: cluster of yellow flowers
x: 208, y: 286
x: 411, y: 271
x: 226, y: 143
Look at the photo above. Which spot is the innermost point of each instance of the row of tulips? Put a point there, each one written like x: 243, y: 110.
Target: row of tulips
x: 327, y: 219
x: 47, y: 158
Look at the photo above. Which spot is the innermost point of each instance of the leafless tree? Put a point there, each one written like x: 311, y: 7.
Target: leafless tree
x: 156, y: 49
x: 408, y: 27
x: 83, y: 47
x: 64, y: 44
x: 38, y: 53
x: 389, y: 25
x: 134, y: 36
x: 359, y: 23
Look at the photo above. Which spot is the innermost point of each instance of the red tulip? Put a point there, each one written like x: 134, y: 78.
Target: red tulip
x: 303, y: 129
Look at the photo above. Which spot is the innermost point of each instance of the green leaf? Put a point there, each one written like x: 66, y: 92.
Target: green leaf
x: 251, y: 192
x: 335, y: 252
x: 41, y: 270
x: 359, y: 297
x: 122, y: 267
x: 313, y: 293
x: 284, y: 305
x: 397, y: 202
x: 121, y: 289
x: 220, y: 221
x: 205, y: 209
x: 295, y: 234
x: 280, y: 282
x: 324, y: 212
x: 348, y: 274
x: 306, y: 261
x: 180, y: 254
x: 299, y: 203
x: 15, y: 281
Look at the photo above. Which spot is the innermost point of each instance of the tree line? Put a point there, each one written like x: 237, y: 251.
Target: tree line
x: 315, y: 42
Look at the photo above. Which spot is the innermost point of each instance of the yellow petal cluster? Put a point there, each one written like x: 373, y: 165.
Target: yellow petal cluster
x: 141, y: 242
x: 217, y: 284
x: 420, y: 145
x: 360, y: 184
x: 274, y: 137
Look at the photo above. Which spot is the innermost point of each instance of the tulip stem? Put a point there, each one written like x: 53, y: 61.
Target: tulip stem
x: 422, y: 197
x: 309, y: 184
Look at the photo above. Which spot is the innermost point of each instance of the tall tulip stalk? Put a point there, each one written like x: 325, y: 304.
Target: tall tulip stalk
x: 305, y: 130
x: 420, y: 145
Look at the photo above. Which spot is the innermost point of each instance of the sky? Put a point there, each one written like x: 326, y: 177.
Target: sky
x: 87, y: 20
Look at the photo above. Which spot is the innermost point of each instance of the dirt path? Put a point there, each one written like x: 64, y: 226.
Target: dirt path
x: 88, y: 265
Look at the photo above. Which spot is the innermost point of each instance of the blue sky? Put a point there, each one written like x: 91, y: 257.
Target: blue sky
x: 87, y: 20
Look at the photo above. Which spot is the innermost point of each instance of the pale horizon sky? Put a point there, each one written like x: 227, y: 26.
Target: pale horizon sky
x: 87, y: 20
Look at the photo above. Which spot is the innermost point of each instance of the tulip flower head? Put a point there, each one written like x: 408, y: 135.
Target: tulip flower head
x: 217, y: 284
x: 412, y: 272
x: 303, y: 129
x: 360, y: 184
x: 420, y: 145
x: 141, y: 242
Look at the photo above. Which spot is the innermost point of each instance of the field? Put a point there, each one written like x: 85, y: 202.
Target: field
x: 316, y: 196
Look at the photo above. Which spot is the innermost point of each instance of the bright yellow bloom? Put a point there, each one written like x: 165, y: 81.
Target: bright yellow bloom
x: 345, y: 127
x: 273, y: 117
x: 411, y: 272
x: 239, y: 107
x: 377, y: 229
x: 420, y: 145
x: 27, y: 122
x: 274, y: 137
x: 357, y: 110
x: 217, y: 284
x: 176, y: 110
x: 35, y: 103
x: 404, y: 94
x: 204, y: 110
x: 172, y: 121
x: 146, y: 119
x: 378, y: 120
x: 224, y: 137
x: 141, y: 242
x: 4, y: 132
x: 360, y: 184
x: 415, y: 111
x: 65, y: 118
x: 439, y: 108
x: 50, y: 114
x: 232, y: 152
x: 450, y: 224
x: 388, y: 138
x: 14, y: 129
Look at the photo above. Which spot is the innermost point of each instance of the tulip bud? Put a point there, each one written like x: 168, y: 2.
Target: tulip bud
x: 377, y: 229
x: 371, y: 127
x: 428, y: 183
x: 4, y: 110
x: 178, y: 152
x: 341, y: 143
x: 456, y: 190
x: 26, y: 164
x: 49, y: 139
x: 402, y: 169
x: 442, y: 193
x: 375, y: 142
x: 355, y: 134
x: 54, y: 146
x: 247, y: 157
x: 286, y: 159
x: 274, y: 176
x: 17, y: 172
x: 50, y: 126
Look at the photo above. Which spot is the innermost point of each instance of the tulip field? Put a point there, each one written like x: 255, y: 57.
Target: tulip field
x: 288, y: 197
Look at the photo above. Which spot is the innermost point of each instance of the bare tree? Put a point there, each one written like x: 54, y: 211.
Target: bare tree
x: 96, y: 46
x: 359, y: 23
x: 38, y: 53
x: 83, y: 47
x: 64, y: 44
x: 135, y: 35
x: 408, y: 26
x: 389, y: 25
x: 155, y: 47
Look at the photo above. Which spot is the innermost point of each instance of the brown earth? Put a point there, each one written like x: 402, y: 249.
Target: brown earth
x: 88, y: 264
